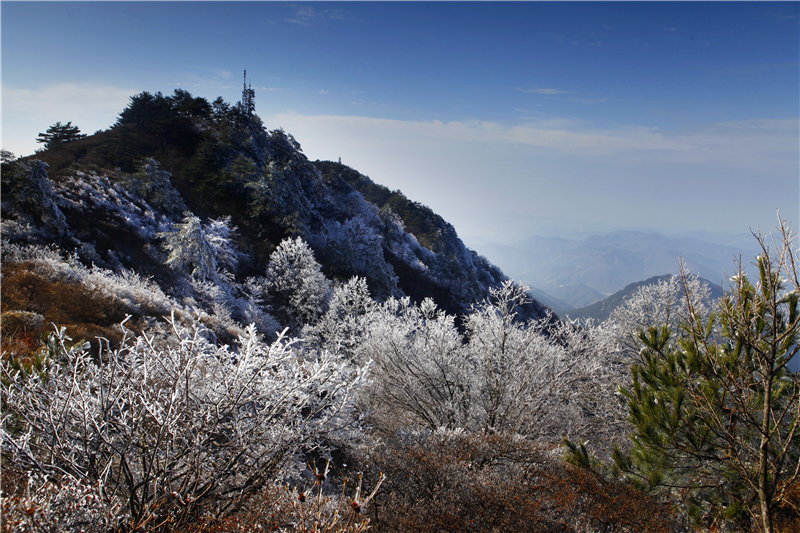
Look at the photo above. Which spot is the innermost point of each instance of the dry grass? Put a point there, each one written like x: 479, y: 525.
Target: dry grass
x: 32, y: 303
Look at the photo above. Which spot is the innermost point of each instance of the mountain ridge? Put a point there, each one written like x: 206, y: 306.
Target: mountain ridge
x: 110, y: 199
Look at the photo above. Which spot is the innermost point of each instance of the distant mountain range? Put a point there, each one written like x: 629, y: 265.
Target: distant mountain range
x: 572, y: 273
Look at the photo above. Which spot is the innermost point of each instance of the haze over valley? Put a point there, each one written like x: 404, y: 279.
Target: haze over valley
x: 579, y: 272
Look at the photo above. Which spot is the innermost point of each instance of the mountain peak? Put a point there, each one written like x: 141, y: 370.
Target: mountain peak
x: 111, y: 200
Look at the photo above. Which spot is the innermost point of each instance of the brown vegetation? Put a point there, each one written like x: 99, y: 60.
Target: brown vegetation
x: 441, y: 483
x: 33, y: 305
x: 456, y: 482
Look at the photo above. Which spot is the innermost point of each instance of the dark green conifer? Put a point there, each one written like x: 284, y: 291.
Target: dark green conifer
x: 59, y: 133
x: 716, y: 413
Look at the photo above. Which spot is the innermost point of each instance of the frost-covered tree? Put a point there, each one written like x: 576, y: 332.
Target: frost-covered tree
x: 356, y: 248
x: 295, y: 285
x: 155, y: 185
x: 346, y: 324
x: 172, y: 426
x: 203, y: 248
x: 661, y: 304
x: 28, y: 185
x: 220, y: 235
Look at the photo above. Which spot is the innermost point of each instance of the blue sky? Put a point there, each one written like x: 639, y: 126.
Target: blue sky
x: 508, y: 119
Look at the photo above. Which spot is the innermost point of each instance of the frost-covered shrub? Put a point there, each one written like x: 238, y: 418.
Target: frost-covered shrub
x: 96, y: 195
x: 217, y: 300
x: 540, y: 378
x: 248, y: 312
x: 175, y: 425
x: 135, y: 292
x: 422, y: 373
x: 229, y: 305
x: 65, y: 505
x: 295, y: 284
x: 653, y: 306
x: 232, y: 308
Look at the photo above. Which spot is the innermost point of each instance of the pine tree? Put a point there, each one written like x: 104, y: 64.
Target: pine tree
x: 58, y: 134
x: 155, y: 185
x: 716, y: 413
x: 205, y: 248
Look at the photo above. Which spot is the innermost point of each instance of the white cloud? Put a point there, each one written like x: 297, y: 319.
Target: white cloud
x: 27, y: 112
x: 560, y: 136
x: 305, y: 14
x: 550, y: 134
x: 542, y: 90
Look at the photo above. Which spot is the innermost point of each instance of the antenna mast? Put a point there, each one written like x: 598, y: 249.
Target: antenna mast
x: 248, y: 96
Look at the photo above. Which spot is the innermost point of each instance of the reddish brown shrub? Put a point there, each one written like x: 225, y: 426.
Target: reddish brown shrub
x: 460, y: 483
x: 787, y: 516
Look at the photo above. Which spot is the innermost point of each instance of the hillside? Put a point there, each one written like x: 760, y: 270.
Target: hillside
x: 111, y: 200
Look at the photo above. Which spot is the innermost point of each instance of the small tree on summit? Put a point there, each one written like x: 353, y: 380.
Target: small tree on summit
x: 58, y: 134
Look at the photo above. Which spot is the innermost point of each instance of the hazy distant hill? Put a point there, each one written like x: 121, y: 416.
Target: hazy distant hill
x: 607, y: 263
x: 576, y: 295
x: 556, y: 304
x: 602, y: 310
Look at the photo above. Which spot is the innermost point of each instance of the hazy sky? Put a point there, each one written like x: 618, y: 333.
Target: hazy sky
x: 508, y: 119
